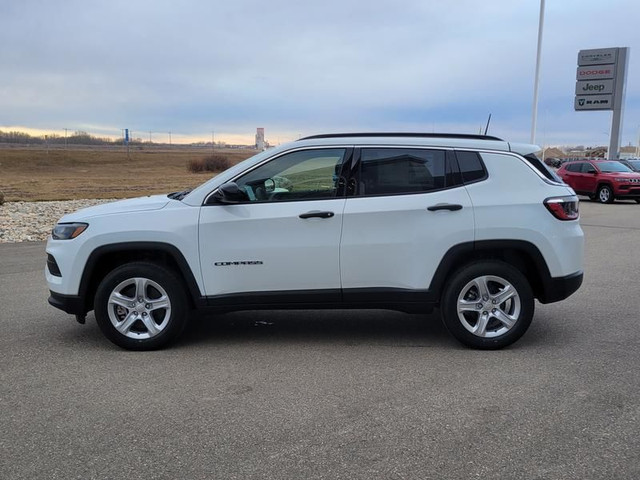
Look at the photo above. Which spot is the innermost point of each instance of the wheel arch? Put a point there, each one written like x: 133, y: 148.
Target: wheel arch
x: 107, y: 257
x: 523, y: 255
x: 604, y: 183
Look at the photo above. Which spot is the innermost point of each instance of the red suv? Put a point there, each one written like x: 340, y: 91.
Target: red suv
x: 604, y: 180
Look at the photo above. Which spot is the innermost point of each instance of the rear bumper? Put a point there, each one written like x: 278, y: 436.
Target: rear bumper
x: 72, y: 304
x: 559, y: 288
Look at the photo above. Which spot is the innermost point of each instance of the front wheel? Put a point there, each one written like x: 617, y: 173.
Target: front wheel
x: 141, y: 306
x: 605, y: 194
x: 487, y: 305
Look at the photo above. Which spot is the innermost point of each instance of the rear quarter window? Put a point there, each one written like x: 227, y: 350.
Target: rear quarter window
x: 539, y: 165
x: 471, y: 167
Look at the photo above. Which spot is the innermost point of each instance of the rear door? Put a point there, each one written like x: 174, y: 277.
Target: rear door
x: 405, y: 210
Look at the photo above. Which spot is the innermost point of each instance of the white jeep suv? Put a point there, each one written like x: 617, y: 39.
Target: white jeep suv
x: 471, y: 224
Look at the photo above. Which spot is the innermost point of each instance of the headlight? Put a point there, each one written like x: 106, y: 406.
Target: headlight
x: 623, y: 180
x: 66, y: 231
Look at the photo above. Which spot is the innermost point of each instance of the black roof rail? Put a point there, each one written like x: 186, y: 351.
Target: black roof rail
x: 466, y: 136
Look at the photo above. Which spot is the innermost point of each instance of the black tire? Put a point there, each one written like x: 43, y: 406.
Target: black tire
x: 605, y: 194
x: 637, y: 200
x: 497, y: 334
x: 134, y: 316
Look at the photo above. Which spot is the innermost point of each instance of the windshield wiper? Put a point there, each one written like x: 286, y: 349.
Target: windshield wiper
x: 179, y: 195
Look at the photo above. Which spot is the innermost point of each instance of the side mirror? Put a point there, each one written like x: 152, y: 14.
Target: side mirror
x: 229, y: 193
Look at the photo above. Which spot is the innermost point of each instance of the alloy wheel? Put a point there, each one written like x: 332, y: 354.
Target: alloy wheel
x: 604, y: 195
x: 488, y: 306
x: 139, y: 308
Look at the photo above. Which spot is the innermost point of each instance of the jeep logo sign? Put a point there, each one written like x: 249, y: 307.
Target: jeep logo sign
x: 594, y: 87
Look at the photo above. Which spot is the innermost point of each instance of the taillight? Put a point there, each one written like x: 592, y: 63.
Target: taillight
x: 563, y: 208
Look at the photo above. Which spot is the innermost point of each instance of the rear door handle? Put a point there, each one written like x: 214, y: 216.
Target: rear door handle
x: 452, y: 207
x: 317, y: 214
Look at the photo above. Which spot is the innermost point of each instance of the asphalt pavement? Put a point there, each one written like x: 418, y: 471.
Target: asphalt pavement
x: 331, y: 394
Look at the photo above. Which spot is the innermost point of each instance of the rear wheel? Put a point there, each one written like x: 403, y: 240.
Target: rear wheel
x: 487, y: 305
x: 605, y: 194
x: 141, y: 306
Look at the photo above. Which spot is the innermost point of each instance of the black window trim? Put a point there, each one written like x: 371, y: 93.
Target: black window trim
x: 348, y: 156
x: 354, y: 173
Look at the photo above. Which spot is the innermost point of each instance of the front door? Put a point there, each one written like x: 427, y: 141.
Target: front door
x: 588, y: 180
x: 283, y: 238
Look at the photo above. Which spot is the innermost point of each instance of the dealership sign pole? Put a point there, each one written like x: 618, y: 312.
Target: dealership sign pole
x: 600, y: 85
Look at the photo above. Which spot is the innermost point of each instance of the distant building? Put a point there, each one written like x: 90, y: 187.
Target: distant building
x: 260, y: 138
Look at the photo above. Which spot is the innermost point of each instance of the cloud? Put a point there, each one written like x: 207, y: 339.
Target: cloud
x: 290, y: 66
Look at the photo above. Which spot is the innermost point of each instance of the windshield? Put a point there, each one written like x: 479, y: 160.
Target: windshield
x: 612, y: 167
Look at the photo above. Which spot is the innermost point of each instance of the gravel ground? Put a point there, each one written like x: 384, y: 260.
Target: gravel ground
x: 33, y: 221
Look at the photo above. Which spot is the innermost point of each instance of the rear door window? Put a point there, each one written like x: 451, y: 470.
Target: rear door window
x: 391, y: 171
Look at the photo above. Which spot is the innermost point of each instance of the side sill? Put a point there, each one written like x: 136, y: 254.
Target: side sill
x: 409, y: 301
x: 415, y: 308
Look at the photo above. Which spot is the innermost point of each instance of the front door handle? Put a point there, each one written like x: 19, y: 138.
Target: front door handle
x: 317, y: 214
x: 452, y: 207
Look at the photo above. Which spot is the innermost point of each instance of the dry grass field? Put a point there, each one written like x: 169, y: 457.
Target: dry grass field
x: 33, y: 173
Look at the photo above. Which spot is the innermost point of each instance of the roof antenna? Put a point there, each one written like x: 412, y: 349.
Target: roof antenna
x: 487, y: 127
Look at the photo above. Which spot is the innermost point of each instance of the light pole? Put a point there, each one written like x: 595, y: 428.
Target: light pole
x: 534, y: 116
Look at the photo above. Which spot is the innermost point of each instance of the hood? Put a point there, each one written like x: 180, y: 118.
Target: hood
x: 153, y: 202
x: 622, y: 174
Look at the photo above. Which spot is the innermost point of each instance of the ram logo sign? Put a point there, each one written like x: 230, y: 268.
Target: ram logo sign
x: 594, y: 102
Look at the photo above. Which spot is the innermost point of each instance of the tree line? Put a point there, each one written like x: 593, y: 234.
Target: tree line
x: 76, y: 138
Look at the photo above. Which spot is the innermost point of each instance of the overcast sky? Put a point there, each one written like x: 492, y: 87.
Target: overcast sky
x: 297, y: 68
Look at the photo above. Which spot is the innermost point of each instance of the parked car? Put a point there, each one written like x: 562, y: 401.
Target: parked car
x: 632, y: 163
x: 553, y: 162
x: 474, y: 225
x: 602, y: 180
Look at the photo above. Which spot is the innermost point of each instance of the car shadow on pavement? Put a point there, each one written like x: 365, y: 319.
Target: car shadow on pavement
x: 324, y: 327
x: 380, y: 327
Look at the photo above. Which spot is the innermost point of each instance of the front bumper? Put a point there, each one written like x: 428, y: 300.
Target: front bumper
x: 631, y: 191
x: 559, y: 288
x: 72, y: 304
